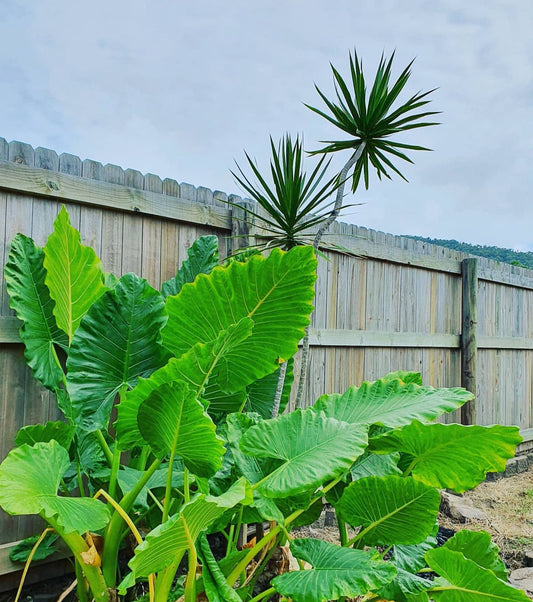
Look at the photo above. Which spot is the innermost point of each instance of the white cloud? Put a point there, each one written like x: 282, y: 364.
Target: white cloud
x: 179, y: 89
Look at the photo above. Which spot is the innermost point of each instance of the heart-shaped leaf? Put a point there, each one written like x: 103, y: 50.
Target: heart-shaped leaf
x: 29, y: 479
x: 336, y: 572
x: 451, y: 456
x: 390, y: 510
x: 391, y: 403
x: 312, y: 449
x: 117, y: 342
x: 173, y: 421
x: 73, y: 274
x: 274, y: 292
x: 176, y: 535
x: 478, y: 546
x: 30, y: 298
x: 465, y: 580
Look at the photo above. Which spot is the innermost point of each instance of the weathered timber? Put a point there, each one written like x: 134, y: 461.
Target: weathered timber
x: 469, y: 336
x: 41, y: 182
x: 366, y: 338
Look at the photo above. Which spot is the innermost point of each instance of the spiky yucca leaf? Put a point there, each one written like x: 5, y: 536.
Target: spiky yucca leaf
x: 370, y: 119
x: 293, y: 202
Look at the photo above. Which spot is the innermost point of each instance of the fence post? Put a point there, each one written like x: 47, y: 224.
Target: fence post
x: 469, y: 336
x: 241, y: 224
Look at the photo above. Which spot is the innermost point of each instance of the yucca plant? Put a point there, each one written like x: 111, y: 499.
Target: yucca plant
x: 370, y: 120
x: 293, y: 202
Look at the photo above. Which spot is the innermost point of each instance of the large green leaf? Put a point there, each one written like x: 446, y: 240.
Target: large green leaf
x: 274, y: 292
x: 451, y: 456
x: 412, y: 558
x: 390, y: 510
x: 30, y: 298
x: 174, y: 536
x: 29, y: 479
x: 172, y: 420
x: 312, y: 449
x: 254, y: 469
x: 406, y: 587
x: 466, y: 581
x: 373, y: 465
x: 391, y: 403
x: 193, y: 367
x: 22, y: 551
x: 202, y: 257
x: 214, y: 580
x: 60, y: 431
x: 117, y: 342
x: 336, y: 572
x: 478, y: 546
x: 73, y: 274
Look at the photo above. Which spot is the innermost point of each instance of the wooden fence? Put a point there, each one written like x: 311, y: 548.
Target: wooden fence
x: 394, y: 304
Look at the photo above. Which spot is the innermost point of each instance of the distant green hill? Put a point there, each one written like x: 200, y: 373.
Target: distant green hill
x: 524, y: 260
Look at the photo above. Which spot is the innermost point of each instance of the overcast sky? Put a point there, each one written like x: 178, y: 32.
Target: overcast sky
x: 181, y: 88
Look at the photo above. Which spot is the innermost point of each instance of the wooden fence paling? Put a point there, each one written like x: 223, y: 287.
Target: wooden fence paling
x: 241, y: 223
x: 469, y: 336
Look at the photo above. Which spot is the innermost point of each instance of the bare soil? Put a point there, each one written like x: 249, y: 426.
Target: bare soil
x: 508, y: 506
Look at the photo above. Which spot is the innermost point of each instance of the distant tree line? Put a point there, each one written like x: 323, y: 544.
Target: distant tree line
x: 521, y: 259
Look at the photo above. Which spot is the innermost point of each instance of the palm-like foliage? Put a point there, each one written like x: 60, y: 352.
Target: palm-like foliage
x: 293, y: 201
x: 371, y: 119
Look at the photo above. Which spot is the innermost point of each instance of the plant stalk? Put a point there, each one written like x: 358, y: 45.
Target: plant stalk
x: 168, y: 488
x: 81, y: 587
x: 190, y: 582
x: 92, y: 573
x: 105, y: 447
x: 343, y: 534
x: 114, y: 528
x: 279, y: 390
x: 113, y: 477
x: 263, y: 595
x: 343, y: 176
x: 165, y: 579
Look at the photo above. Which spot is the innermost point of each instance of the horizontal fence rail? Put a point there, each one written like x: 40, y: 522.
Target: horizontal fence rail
x: 383, y: 302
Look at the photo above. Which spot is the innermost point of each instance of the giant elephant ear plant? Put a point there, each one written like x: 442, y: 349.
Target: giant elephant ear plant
x: 184, y: 366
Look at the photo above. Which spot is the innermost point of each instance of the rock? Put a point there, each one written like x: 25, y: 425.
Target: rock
x: 443, y: 534
x: 460, y: 509
x: 528, y: 558
x: 522, y: 463
x: 523, y: 579
x: 330, y: 519
x: 511, y: 468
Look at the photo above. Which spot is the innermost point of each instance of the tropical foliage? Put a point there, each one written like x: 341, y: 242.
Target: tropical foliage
x: 186, y: 458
